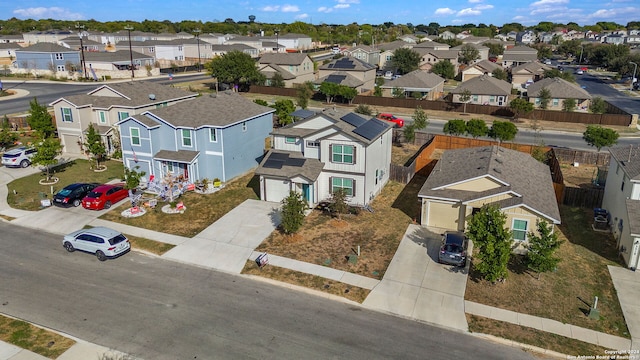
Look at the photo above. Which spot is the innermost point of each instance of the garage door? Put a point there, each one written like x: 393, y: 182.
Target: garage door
x: 443, y: 215
x: 70, y: 143
x: 276, y: 190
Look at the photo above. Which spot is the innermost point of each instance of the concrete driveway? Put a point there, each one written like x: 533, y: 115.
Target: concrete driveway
x: 417, y: 287
x: 627, y: 284
x: 228, y: 243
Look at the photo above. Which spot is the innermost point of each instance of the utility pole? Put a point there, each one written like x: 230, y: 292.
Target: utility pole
x: 83, y: 63
x: 633, y: 79
x: 277, y: 43
x: 129, y: 28
x: 197, y: 31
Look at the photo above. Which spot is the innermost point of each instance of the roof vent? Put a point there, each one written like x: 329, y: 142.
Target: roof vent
x: 499, y: 161
x: 497, y: 170
x: 152, y: 96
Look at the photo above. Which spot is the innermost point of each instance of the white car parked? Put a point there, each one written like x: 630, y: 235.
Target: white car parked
x: 101, y: 241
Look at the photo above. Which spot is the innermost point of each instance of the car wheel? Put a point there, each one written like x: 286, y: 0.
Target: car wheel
x: 76, y: 202
x: 69, y: 247
x: 24, y: 163
x: 101, y: 256
x: 107, y: 204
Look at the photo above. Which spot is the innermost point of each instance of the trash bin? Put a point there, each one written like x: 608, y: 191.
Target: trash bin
x: 601, y: 218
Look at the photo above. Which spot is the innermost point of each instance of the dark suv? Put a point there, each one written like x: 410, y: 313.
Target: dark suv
x: 453, y: 250
x: 73, y: 194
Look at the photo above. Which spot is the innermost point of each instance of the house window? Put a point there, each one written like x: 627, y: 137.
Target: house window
x: 213, y: 135
x: 244, y: 126
x: 60, y: 68
x: 151, y: 49
x: 59, y: 56
x: 492, y: 99
x: 342, y: 154
x: 122, y: 115
x: 66, y: 115
x: 169, y: 166
x: 312, y: 143
x: 537, y: 101
x: 519, y: 229
x: 186, y: 137
x: 290, y: 140
x: 338, y: 183
x: 475, y: 98
x: 135, y: 136
x: 102, y: 117
x: 556, y: 102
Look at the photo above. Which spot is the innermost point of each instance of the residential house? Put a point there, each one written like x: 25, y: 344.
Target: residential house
x: 422, y: 83
x: 8, y: 52
x: 560, y: 90
x: 365, y: 53
x: 632, y: 40
x: 49, y: 36
x: 526, y: 37
x: 431, y: 45
x: 105, y: 106
x: 387, y: 50
x: 325, y: 152
x: 213, y: 136
x: 484, y: 90
x: 428, y: 58
x: 464, y: 180
x: 622, y: 201
x: 219, y: 50
x: 45, y: 58
x: 293, y: 41
x: 518, y: 55
x: 615, y: 39
x: 522, y: 76
x: 358, y: 69
x: 483, y: 51
x: 87, y: 45
x: 117, y: 64
x: 477, y: 40
x: 447, y: 35
x: 295, y: 68
x: 409, y: 38
x: 484, y: 67
x: 4, y: 39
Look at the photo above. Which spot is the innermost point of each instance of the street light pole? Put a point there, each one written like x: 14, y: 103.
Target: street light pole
x: 277, y: 42
x: 635, y: 67
x: 581, y: 50
x: 129, y: 28
x: 197, y: 31
x: 82, y: 61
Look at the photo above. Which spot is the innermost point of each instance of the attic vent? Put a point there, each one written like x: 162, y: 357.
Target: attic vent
x: 497, y: 170
x: 499, y: 161
x: 152, y: 96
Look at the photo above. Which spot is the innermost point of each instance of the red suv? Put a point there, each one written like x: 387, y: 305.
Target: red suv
x: 389, y: 117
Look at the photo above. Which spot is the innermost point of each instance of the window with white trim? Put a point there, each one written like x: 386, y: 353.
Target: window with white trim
x: 186, y: 137
x: 338, y: 183
x: 60, y: 68
x: 290, y: 140
x: 213, y: 135
x: 556, y: 102
x: 122, y: 115
x: 59, y: 56
x: 135, y: 136
x: 66, y: 115
x: 312, y: 143
x: 342, y: 154
x: 519, y: 229
x: 102, y: 117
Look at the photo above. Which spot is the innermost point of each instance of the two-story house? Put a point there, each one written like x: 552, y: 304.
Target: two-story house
x: 325, y: 152
x: 387, y: 50
x: 213, y: 136
x: 483, y: 67
x: 416, y: 84
x: 363, y: 73
x: 365, y: 53
x: 105, y: 106
x: 295, y: 68
x: 518, y: 55
x: 622, y: 200
x: 45, y: 58
x: 526, y: 74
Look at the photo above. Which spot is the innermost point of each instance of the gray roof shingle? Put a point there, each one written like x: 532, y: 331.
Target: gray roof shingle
x: 181, y: 156
x: 484, y: 85
x: 305, y: 167
x: 558, y: 88
x: 629, y: 159
x: 418, y: 79
x: 282, y: 58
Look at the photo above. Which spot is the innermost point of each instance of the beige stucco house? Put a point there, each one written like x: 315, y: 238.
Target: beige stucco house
x: 347, y: 71
x: 295, y: 68
x: 429, y: 85
x: 526, y: 74
x: 483, y: 67
x: 464, y: 180
x: 560, y: 91
x: 484, y: 90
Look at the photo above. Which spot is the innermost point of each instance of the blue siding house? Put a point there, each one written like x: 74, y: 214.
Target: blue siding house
x: 46, y: 58
x: 213, y: 136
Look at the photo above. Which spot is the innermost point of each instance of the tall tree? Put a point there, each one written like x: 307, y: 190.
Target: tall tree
x: 487, y: 230
x: 304, y: 92
x: 347, y: 93
x: 455, y: 127
x: 444, y: 68
x: 542, y: 247
x: 94, y: 145
x: 503, y: 131
x: 477, y: 128
x: 292, y: 212
x: 468, y: 54
x: 465, y: 97
x: 405, y: 60
x: 598, y: 106
x: 545, y: 98
x: 420, y: 118
x: 329, y: 90
x: 284, y: 108
x: 569, y: 105
x: 235, y: 67
x: 277, y: 80
x: 520, y: 106
x: 40, y: 120
x: 598, y: 136
x: 500, y: 74
x: 7, y: 137
x: 47, y: 152
x: 409, y: 132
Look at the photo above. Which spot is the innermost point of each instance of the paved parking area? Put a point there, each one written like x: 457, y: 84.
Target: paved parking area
x: 416, y: 286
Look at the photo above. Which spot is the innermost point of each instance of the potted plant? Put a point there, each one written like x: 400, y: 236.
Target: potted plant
x: 217, y: 183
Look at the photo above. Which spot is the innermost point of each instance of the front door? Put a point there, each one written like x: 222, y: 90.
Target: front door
x: 500, y: 100
x: 306, y: 192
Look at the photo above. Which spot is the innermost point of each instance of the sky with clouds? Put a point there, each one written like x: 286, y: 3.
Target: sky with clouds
x: 451, y: 12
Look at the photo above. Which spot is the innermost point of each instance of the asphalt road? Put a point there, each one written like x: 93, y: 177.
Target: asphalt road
x: 157, y: 309
x: 596, y: 87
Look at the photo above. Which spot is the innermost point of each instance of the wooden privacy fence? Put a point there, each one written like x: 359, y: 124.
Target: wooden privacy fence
x: 582, y: 197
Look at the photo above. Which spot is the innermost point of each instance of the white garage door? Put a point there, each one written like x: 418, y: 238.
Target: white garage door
x: 70, y: 143
x: 276, y: 190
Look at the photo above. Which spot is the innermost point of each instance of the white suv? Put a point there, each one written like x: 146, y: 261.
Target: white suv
x: 103, y: 242
x: 18, y: 157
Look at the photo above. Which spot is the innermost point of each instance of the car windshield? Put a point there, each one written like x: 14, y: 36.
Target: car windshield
x: 64, y: 192
x: 94, y: 194
x: 117, y: 239
x: 453, y: 248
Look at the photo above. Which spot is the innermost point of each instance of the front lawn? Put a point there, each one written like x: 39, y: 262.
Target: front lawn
x: 40, y: 341
x: 25, y: 193
x: 566, y: 294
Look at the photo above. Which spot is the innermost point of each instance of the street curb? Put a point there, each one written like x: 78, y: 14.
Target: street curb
x: 525, y: 347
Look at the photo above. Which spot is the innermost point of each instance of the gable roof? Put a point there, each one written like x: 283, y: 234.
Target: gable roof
x: 440, y: 54
x: 485, y: 66
x: 115, y: 56
x: 270, y: 69
x: 348, y: 64
x: 533, y: 67
x: 221, y: 110
x: 46, y: 47
x: 558, y: 88
x: 628, y: 157
x: 289, y: 164
x: 341, y: 78
x: 282, y: 58
x: 484, y: 85
x: 417, y: 79
x: 518, y: 173
x: 394, y: 45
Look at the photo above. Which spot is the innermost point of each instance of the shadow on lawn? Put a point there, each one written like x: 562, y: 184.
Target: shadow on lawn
x: 516, y: 265
x: 407, y: 200
x: 254, y: 184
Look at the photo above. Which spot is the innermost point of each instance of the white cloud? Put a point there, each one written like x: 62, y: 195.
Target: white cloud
x: 483, y: 7
x: 348, y: 1
x: 444, y: 11
x: 468, y: 12
x: 302, y: 16
x: 48, y: 13
x: 271, y: 8
x: 519, y: 18
x: 549, y: 2
x: 290, y: 8
x: 324, y: 9
x: 475, y: 1
x: 341, y: 6
x: 550, y: 9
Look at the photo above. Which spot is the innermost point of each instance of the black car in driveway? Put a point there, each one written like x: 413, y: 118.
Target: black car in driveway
x: 453, y: 250
x: 73, y: 194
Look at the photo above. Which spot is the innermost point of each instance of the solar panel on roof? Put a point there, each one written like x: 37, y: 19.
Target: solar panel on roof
x: 371, y: 129
x: 279, y: 156
x: 273, y: 164
x: 345, y: 63
x: 297, y: 162
x: 336, y: 79
x: 302, y: 113
x: 353, y: 119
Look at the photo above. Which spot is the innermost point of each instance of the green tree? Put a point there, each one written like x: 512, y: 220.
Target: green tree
x: 468, y: 54
x: 500, y: 74
x: 405, y: 60
x: 94, y: 145
x: 542, y: 247
x: 132, y: 177
x: 420, y: 118
x: 277, y: 80
x: 235, y: 67
x: 292, y: 212
x: 338, y: 204
x: 487, y: 230
x: 494, y: 49
x: 304, y: 92
x: 476, y: 128
x: 284, y: 108
x: 555, y: 73
x: 397, y: 93
x: 465, y: 97
x: 598, y: 106
x: 520, y: 106
x: 40, y: 120
x: 47, y: 152
x: 347, y: 93
x: 503, y: 131
x: 363, y: 109
x: 329, y: 90
x: 597, y: 136
x: 261, y: 102
x: 455, y: 127
x: 545, y: 98
x: 569, y: 105
x: 7, y: 137
x: 377, y: 91
x: 444, y: 68
x: 409, y: 131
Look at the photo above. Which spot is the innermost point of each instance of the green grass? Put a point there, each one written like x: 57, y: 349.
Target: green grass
x: 152, y: 246
x: 34, y: 339
x: 25, y: 193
